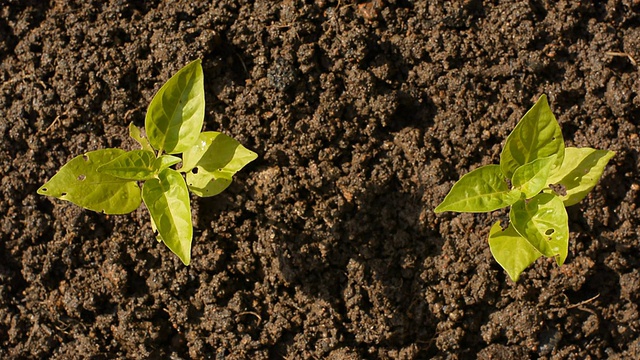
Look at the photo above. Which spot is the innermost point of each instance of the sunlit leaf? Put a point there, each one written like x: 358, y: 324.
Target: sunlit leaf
x: 165, y: 161
x: 481, y: 190
x: 536, y: 136
x: 211, y: 163
x: 543, y: 221
x: 160, y: 164
x: 155, y: 229
x: 80, y: 183
x: 532, y: 177
x: 580, y: 172
x: 132, y: 165
x: 135, y: 134
x: 167, y: 199
x: 176, y: 113
x: 513, y: 252
x: 206, y: 184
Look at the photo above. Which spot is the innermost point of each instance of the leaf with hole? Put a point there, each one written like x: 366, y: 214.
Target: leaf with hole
x: 580, y: 172
x: 79, y: 182
x: 211, y: 163
x: 537, y: 177
x: 107, y: 180
x: 543, y: 221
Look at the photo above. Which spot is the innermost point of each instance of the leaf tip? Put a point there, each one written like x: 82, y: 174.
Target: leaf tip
x: 42, y: 190
x: 514, y: 277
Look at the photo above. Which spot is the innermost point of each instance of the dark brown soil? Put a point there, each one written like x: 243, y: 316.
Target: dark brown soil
x: 326, y: 247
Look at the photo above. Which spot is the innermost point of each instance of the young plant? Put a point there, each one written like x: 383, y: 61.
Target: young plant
x: 108, y: 180
x: 538, y: 177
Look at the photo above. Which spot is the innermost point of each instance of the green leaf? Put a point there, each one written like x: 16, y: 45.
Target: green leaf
x: 136, y: 135
x: 167, y: 199
x: 132, y: 165
x: 165, y: 161
x: 543, y: 221
x: 176, y: 113
x: 482, y: 190
x: 531, y: 178
x: 513, y: 252
x: 206, y: 184
x: 79, y: 182
x: 211, y: 163
x: 536, y: 136
x: 580, y: 172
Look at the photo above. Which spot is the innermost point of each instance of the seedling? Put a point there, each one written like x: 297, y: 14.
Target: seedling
x: 538, y: 177
x: 108, y: 180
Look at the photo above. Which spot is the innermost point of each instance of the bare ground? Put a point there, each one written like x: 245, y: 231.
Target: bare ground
x: 326, y: 247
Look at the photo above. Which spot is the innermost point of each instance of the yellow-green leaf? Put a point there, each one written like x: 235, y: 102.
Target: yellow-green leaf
x: 165, y: 161
x: 543, y: 221
x: 136, y: 134
x: 79, y: 182
x: 167, y: 199
x: 580, y: 172
x: 211, y: 163
x: 513, y: 252
x: 536, y: 136
x: 481, y: 190
x: 176, y: 113
x: 132, y: 165
x: 532, y: 177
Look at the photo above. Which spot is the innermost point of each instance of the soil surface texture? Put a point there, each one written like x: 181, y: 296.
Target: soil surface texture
x: 326, y: 247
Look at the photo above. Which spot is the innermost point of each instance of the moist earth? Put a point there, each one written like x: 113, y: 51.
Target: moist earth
x: 326, y: 247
